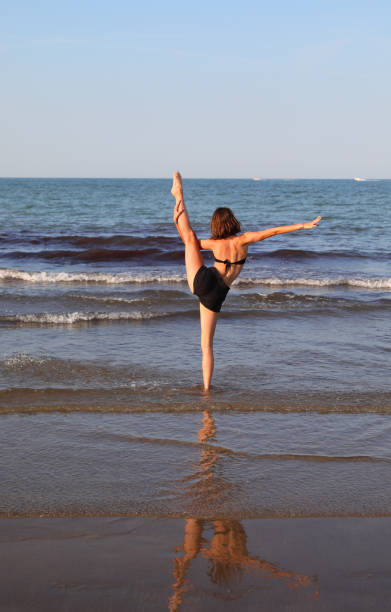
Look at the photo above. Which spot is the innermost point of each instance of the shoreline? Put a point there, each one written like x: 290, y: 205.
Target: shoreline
x: 176, y: 516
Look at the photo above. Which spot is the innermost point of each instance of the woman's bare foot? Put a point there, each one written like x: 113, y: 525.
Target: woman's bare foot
x: 177, y: 188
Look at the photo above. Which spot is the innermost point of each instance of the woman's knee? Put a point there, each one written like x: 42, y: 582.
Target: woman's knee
x: 190, y: 238
x: 206, y: 344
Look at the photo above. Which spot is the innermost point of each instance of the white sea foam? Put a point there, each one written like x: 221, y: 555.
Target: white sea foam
x: 69, y: 318
x: 153, y: 277
x: 88, y: 277
x: 364, y: 283
x: 17, y: 360
x: 120, y: 300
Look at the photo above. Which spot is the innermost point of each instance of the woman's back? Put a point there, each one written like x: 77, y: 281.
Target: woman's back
x: 233, y: 250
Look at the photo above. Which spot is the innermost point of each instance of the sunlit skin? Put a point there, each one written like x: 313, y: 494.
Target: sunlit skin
x: 232, y: 248
x: 226, y: 551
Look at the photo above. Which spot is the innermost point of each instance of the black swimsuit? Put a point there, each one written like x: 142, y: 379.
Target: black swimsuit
x: 209, y: 286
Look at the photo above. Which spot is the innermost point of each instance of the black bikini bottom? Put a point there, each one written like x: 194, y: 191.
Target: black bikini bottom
x: 210, y: 288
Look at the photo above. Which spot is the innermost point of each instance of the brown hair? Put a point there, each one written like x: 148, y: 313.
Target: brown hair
x: 224, y: 223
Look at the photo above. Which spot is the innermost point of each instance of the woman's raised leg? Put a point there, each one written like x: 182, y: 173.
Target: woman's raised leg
x: 208, y: 325
x: 193, y: 257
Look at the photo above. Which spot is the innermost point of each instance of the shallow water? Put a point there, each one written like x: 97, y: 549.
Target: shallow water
x: 231, y: 464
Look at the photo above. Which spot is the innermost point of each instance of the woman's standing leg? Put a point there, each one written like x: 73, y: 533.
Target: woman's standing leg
x: 193, y: 257
x: 208, y: 325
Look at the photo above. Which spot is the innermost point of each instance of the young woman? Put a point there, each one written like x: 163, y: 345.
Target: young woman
x: 229, y: 247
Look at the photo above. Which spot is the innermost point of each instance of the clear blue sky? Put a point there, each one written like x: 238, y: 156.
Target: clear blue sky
x: 215, y: 89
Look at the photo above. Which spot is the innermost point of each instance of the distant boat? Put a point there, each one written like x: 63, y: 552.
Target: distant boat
x: 256, y: 178
x: 357, y: 178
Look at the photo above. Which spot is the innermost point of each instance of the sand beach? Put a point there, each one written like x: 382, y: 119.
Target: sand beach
x: 139, y: 564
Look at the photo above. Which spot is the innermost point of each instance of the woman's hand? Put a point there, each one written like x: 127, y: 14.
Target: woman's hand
x: 311, y: 224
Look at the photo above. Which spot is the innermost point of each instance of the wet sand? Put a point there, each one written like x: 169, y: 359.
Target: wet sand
x: 115, y: 564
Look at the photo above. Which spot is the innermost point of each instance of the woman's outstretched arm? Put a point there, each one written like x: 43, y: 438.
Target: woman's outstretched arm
x: 249, y: 237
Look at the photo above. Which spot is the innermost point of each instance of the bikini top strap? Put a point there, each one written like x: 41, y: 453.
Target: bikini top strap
x: 228, y: 263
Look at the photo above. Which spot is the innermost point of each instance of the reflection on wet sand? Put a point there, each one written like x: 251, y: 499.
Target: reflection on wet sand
x: 226, y: 547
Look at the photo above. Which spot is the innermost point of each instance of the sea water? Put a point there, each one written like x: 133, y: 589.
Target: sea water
x: 100, y: 371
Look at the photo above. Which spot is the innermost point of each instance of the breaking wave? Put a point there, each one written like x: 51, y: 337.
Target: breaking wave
x: 155, y: 277
x: 70, y: 318
x: 360, y: 283
x: 88, y: 277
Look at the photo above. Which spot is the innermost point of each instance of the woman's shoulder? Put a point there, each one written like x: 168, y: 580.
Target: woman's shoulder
x: 208, y: 243
x: 241, y: 238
